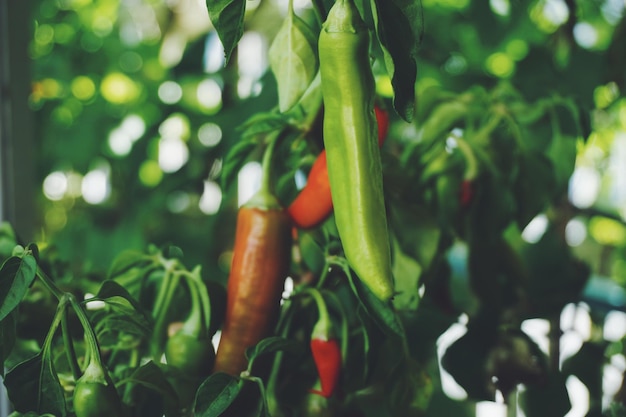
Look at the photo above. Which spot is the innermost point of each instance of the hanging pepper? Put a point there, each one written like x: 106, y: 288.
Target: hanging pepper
x: 261, y: 260
x: 325, y: 350
x: 354, y: 164
x: 314, y: 204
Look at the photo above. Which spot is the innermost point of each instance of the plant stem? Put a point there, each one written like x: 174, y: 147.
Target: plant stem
x: 161, y: 315
x: 323, y: 326
x: 49, y: 284
x: 205, y: 300
x: 91, y: 341
x: 194, y: 324
x: 69, y: 347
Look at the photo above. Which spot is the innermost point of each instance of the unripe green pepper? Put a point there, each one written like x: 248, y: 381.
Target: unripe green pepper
x: 350, y: 139
x: 95, y: 395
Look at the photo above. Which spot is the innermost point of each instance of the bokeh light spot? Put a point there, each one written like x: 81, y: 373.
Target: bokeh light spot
x: 607, y: 231
x: 83, y: 87
x: 210, y: 134
x: 117, y: 88
x: 170, y: 92
x: 500, y: 64
x: 150, y: 173
x: 211, y: 198
x: 55, y: 185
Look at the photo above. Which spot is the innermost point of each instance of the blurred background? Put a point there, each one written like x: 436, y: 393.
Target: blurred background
x: 116, y: 116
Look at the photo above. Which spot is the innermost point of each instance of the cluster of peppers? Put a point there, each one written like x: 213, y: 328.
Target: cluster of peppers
x: 345, y: 178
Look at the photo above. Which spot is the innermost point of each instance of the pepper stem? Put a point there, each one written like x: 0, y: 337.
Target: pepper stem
x: 194, y: 325
x: 322, y: 328
x: 264, y: 198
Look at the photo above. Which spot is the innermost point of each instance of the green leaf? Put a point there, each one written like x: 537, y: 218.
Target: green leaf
x: 215, y: 394
x: 382, y: 313
x: 562, y: 153
x: 263, y: 123
x: 235, y: 159
x: 227, y: 18
x: 127, y: 260
x: 399, y: 26
x: 122, y: 315
x: 271, y: 345
x: 293, y: 59
x: 16, y: 276
x: 406, y: 272
x: 152, y: 377
x: 33, y: 385
x: 475, y: 344
x: 7, y: 339
x: 547, y: 399
x: 533, y: 187
x: 587, y: 365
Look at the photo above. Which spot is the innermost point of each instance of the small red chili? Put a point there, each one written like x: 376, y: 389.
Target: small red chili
x: 325, y: 349
x: 466, y: 193
x: 327, y: 357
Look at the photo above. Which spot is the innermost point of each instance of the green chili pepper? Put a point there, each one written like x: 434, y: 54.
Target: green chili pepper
x: 350, y: 139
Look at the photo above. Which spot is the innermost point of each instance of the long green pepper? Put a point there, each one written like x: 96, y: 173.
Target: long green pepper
x: 350, y: 139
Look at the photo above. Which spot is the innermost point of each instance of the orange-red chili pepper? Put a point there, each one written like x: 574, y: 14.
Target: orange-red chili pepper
x: 314, y: 203
x: 260, y: 264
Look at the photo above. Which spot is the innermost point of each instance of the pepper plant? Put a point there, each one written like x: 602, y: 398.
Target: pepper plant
x: 333, y: 295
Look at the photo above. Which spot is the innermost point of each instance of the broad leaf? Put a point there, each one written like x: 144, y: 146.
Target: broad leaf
x: 7, y: 339
x: 216, y: 394
x: 534, y: 186
x: 271, y: 345
x: 293, y: 59
x: 16, y: 275
x: 547, y: 399
x: 399, y: 26
x: 235, y: 159
x: 33, y: 385
x: 152, y: 377
x: 127, y: 260
x: 227, y: 18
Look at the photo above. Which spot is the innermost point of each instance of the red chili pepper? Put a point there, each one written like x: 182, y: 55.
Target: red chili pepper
x: 466, y: 193
x: 261, y: 260
x: 325, y: 350
x: 314, y: 204
x: 382, y: 118
x: 327, y: 357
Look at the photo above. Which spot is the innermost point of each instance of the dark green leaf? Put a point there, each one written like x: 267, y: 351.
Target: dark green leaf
x: 587, y: 365
x: 562, y: 153
x: 227, y: 18
x: 533, y: 187
x: 173, y: 252
x: 382, y: 313
x: 556, y: 278
x: 33, y: 385
x: 475, y: 344
x: 235, y: 159
x: 152, y: 377
x: 399, y: 27
x: 271, y: 345
x: 127, y: 260
x: 16, y: 275
x: 547, y: 399
x: 7, y: 338
x: 215, y: 394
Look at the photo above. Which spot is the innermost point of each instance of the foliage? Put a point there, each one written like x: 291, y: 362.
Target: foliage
x: 496, y: 108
